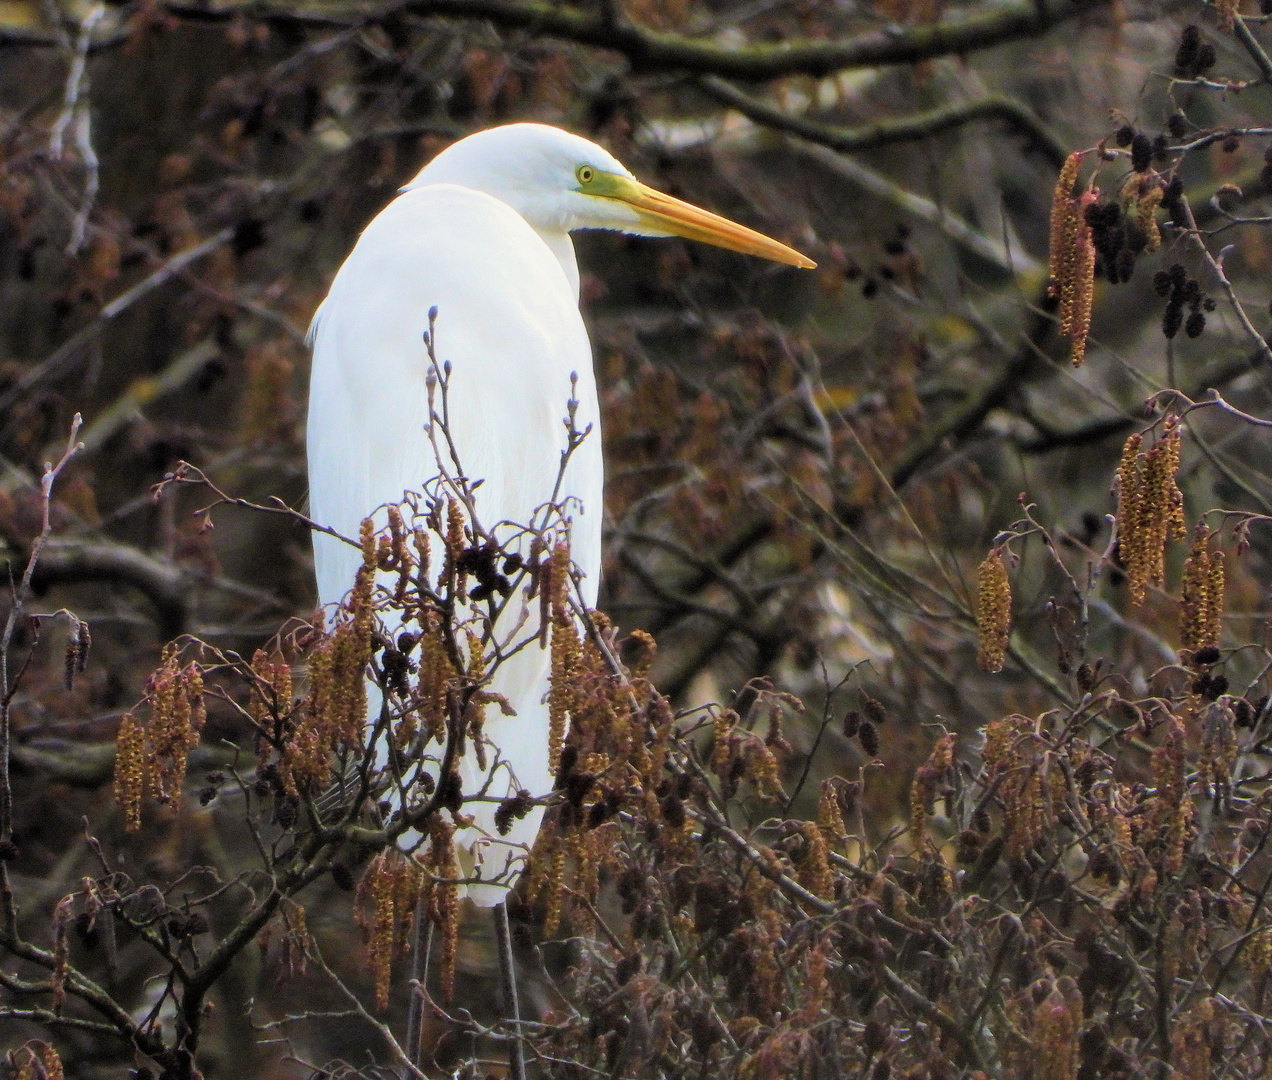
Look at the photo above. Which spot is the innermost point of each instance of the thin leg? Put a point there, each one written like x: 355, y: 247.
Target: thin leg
x: 421, y: 942
x: 508, y: 976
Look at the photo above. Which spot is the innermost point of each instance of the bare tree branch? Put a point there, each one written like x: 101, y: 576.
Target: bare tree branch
x: 649, y: 50
x: 900, y: 129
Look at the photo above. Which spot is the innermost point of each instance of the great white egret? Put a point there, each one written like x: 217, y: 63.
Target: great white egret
x: 482, y: 234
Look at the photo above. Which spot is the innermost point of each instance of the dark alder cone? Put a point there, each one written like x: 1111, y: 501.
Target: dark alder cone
x: 1231, y: 144
x: 577, y: 785
x: 1103, y: 865
x: 868, y: 734
x: 874, y: 1037
x: 1125, y: 135
x: 1189, y: 43
x: 874, y: 711
x: 1122, y: 267
x: 852, y: 723
x: 1085, y: 677
x: 970, y: 844
x: 1217, y: 688
x: 1094, y: 1048
x: 1172, y: 200
x: 1177, y: 125
x: 513, y: 809
x: 1209, y: 654
x: 396, y: 668
x: 451, y: 792
x: 1141, y: 152
x: 626, y: 968
x: 1188, y: 50
x: 673, y: 811
x: 569, y: 758
x: 1162, y: 283
x: 1243, y: 713
x: 1195, y: 325
x: 630, y: 886
x: 343, y: 877
x: 704, y: 1031
x: 1172, y: 319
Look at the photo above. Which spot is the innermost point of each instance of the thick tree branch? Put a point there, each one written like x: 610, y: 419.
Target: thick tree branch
x: 167, y: 585
x: 650, y: 50
x: 164, y: 584
x: 91, y: 766
x: 900, y: 129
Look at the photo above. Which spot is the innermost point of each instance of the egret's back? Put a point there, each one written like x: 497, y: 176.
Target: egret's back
x: 509, y: 325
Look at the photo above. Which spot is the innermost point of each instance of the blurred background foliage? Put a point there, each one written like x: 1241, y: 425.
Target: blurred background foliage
x: 804, y: 470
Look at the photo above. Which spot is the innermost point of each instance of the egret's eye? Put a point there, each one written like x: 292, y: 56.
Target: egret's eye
x: 585, y: 173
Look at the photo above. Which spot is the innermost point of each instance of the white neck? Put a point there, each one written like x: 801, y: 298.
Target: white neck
x: 560, y: 244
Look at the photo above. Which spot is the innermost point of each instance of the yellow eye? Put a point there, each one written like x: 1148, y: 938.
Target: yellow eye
x: 585, y: 173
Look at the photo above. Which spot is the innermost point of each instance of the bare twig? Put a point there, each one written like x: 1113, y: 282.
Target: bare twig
x: 16, y: 611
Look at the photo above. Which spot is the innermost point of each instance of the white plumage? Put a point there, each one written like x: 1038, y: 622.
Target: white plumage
x: 482, y: 234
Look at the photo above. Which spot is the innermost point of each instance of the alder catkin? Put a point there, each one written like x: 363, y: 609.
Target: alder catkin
x: 1063, y: 218
x: 993, y: 612
x: 130, y: 770
x: 1150, y: 508
x: 1201, y: 594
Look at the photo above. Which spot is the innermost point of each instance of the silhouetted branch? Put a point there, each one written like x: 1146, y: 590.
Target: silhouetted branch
x: 899, y: 129
x: 649, y: 50
x: 168, y: 586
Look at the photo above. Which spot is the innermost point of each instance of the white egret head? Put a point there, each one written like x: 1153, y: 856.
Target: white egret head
x: 561, y: 182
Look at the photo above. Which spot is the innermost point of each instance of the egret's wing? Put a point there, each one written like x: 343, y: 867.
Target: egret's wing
x: 508, y: 325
